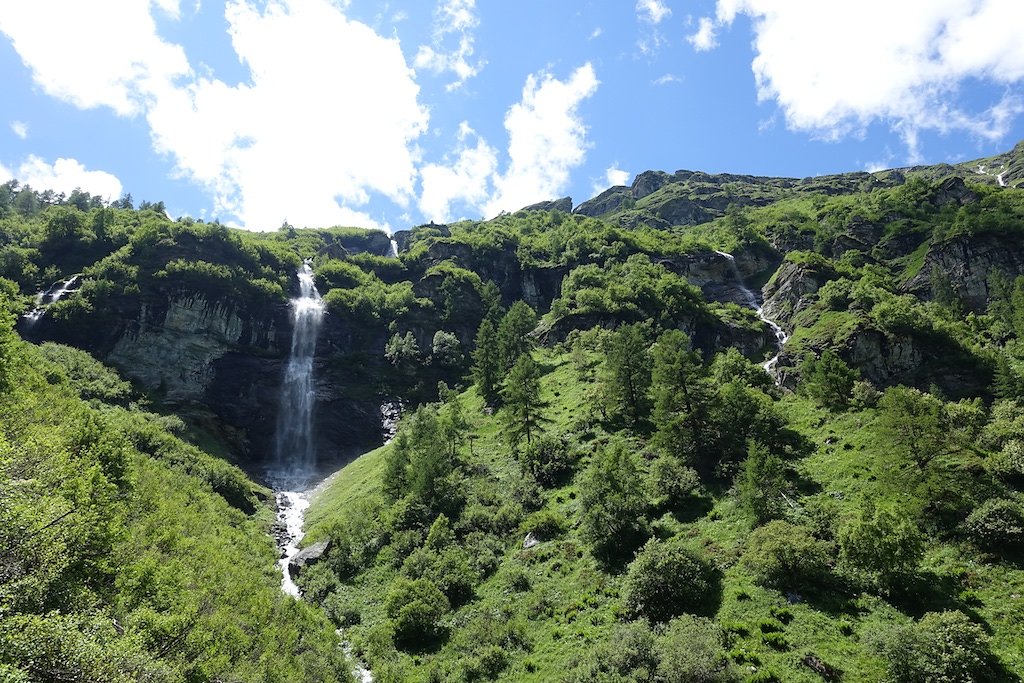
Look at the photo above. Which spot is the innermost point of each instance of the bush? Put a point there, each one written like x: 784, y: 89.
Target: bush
x: 667, y: 579
x: 549, y: 459
x: 827, y: 380
x: 996, y: 526
x: 943, y: 646
x: 614, y: 505
x: 785, y: 555
x: 881, y: 544
x: 691, y: 651
x: 415, y: 608
x: 670, y: 483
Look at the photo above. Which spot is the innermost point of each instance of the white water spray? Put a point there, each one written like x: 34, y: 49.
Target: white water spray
x: 751, y: 300
x: 55, y: 293
x: 295, y: 448
x: 394, y: 249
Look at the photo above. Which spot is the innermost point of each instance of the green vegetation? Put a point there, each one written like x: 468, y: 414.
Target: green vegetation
x: 594, y: 479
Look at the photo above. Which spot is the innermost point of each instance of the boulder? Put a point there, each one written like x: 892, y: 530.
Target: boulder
x: 307, y: 557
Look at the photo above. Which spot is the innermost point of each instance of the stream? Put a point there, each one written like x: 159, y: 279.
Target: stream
x: 293, y: 474
x: 751, y: 300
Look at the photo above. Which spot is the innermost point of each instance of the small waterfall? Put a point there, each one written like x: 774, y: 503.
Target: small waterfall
x: 295, y: 449
x: 751, y: 300
x: 55, y: 293
x: 394, y: 249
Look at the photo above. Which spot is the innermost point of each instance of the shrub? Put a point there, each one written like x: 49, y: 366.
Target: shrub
x: 943, y: 646
x: 691, y: 651
x: 613, y: 503
x: 667, y: 579
x: 415, y: 608
x: 828, y: 380
x: 549, y: 459
x: 782, y: 554
x: 998, y: 525
x: 881, y: 544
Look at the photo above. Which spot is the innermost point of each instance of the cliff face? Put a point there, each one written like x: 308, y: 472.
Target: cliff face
x: 968, y: 262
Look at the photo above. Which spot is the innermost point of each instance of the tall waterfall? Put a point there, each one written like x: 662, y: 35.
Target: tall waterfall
x: 295, y: 448
x: 751, y: 300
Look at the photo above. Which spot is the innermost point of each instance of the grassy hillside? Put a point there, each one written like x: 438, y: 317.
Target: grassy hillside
x: 128, y: 554
x: 554, y: 611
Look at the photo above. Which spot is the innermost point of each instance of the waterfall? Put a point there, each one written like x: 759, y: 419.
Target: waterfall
x: 394, y: 249
x: 751, y: 300
x: 295, y: 447
x: 51, y: 296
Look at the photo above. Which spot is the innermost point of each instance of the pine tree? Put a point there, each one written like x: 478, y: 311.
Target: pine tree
x: 628, y: 372
x: 761, y: 483
x: 513, y: 331
x: 523, y: 409
x: 487, y: 362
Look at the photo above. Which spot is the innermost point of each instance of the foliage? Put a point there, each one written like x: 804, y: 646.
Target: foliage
x: 523, y: 408
x: 827, y: 380
x: 761, y: 484
x: 883, y: 544
x: 666, y: 579
x: 997, y: 526
x: 785, y: 555
x: 513, y: 331
x: 628, y: 372
x: 415, y: 608
x: 943, y: 646
x: 487, y: 368
x: 611, y: 494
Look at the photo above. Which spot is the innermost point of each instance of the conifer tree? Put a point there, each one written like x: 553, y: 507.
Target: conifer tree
x: 512, y: 333
x: 628, y: 372
x: 487, y: 362
x: 523, y: 407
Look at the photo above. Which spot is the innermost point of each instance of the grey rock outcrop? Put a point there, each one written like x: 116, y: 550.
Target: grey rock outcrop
x: 307, y: 557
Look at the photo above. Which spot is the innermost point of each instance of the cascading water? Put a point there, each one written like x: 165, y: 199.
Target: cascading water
x: 295, y: 448
x: 51, y: 296
x: 394, y: 249
x: 751, y: 300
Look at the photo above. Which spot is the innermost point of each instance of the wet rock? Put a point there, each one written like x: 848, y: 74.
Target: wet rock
x: 307, y: 557
x: 530, y: 541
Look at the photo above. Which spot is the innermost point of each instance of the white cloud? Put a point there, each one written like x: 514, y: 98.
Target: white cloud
x: 547, y: 139
x: 613, y: 177
x: 465, y: 179
x: 835, y: 68
x: 652, y: 11
x: 5, y: 174
x: 19, y: 128
x: 328, y: 115
x: 292, y: 143
x: 596, y: 33
x: 111, y: 58
x: 666, y: 79
x: 65, y: 175
x: 452, y: 17
x: 704, y: 38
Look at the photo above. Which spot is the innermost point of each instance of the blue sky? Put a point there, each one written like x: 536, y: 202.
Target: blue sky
x: 389, y: 114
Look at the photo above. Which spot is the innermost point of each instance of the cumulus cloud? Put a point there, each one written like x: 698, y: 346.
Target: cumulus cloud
x: 652, y: 11
x: 465, y: 179
x: 613, y: 177
x: 110, y: 58
x: 452, y: 18
x: 65, y: 175
x: 292, y: 143
x: 302, y: 138
x: 547, y: 138
x: 20, y: 129
x: 704, y: 38
x: 912, y: 58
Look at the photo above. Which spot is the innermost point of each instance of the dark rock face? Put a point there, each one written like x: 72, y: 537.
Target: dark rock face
x: 564, y: 205
x: 307, y: 557
x: 953, y: 191
x: 606, y: 202
x: 792, y: 290
x: 969, y: 263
